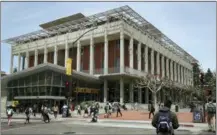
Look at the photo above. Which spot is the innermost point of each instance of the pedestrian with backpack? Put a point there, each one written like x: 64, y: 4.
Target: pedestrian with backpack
x: 165, y: 121
x: 211, y: 111
x: 10, y: 113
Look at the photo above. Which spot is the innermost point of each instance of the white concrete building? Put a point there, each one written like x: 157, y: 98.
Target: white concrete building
x: 118, y: 46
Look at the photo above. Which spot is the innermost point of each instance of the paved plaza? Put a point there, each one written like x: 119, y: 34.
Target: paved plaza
x: 38, y: 127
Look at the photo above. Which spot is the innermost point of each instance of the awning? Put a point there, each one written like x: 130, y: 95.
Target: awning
x: 53, y: 67
x: 40, y: 97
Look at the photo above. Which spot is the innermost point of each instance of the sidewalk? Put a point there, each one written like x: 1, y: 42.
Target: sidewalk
x: 186, y: 117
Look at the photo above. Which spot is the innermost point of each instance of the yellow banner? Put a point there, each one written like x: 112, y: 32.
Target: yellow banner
x: 86, y: 90
x: 69, y: 66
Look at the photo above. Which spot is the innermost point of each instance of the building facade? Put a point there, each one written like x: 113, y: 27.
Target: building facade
x: 116, y: 47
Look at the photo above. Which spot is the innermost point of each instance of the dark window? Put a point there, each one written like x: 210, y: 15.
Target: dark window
x: 48, y: 78
x: 28, y: 92
x: 55, y: 91
x: 42, y: 91
x: 21, y: 92
x: 42, y: 78
x: 118, y: 44
x: 35, y: 91
x: 57, y: 79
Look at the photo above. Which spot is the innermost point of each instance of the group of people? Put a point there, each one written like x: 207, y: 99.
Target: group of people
x: 110, y: 108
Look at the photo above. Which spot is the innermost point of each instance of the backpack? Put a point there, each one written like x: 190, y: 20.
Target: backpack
x: 211, y: 108
x: 9, y: 112
x: 164, y: 122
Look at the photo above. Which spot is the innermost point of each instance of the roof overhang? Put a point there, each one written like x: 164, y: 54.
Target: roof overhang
x: 49, y: 66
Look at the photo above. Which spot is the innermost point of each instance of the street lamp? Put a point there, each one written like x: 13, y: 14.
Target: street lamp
x: 70, y: 76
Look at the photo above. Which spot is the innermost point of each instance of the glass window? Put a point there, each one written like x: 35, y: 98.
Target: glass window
x: 21, y: 82
x: 28, y: 81
x: 48, y: 77
x: 15, y: 83
x: 42, y: 91
x: 42, y: 78
x: 28, y: 92
x: 55, y: 91
x: 48, y: 90
x: 15, y: 92
x: 21, y: 92
x: 34, y: 80
x: 34, y: 91
x: 10, y: 95
x: 62, y: 92
x: 57, y: 79
x: 10, y: 84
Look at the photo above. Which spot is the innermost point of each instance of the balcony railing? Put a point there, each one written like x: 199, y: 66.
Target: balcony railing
x: 114, y: 70
x: 134, y: 71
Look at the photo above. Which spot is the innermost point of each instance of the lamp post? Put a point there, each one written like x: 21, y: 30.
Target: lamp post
x: 70, y: 76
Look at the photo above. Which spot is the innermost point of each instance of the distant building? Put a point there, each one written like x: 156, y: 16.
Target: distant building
x: 3, y: 73
x: 107, y: 60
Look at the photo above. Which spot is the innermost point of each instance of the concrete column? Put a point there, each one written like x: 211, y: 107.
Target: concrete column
x: 139, y: 56
x: 78, y: 68
x: 121, y: 51
x: 131, y: 52
x: 131, y: 92
x: 12, y: 62
x: 36, y: 57
x: 105, y: 52
x: 146, y: 95
x: 140, y: 95
x: 66, y: 51
x: 121, y: 90
x: 162, y: 67
x: 55, y: 54
x: 146, y: 59
x: 171, y: 70
x: 19, y: 61
x: 158, y: 63
x: 91, y: 54
x: 178, y: 73
x: 182, y: 77
x: 167, y: 68
x: 27, y: 60
x: 175, y: 71
x: 45, y: 54
x: 152, y: 61
x: 105, y: 91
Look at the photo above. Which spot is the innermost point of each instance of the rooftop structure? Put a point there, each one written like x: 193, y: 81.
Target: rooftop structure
x: 79, y: 21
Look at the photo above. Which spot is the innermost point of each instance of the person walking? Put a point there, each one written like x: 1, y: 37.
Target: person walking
x: 55, y: 110
x: 165, y: 121
x: 10, y: 113
x: 211, y: 111
x: 119, y: 110
x: 34, y: 109
x: 27, y: 113
x: 152, y: 110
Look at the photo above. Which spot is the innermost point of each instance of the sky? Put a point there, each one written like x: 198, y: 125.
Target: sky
x: 191, y: 25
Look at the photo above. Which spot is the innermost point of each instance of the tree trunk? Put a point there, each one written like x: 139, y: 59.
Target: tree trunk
x: 154, y: 96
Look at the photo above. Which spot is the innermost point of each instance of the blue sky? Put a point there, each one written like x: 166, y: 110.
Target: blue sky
x: 192, y: 25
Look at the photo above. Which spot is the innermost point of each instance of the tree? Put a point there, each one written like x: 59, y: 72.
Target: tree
x: 208, y: 77
x: 153, y: 83
x: 196, y: 73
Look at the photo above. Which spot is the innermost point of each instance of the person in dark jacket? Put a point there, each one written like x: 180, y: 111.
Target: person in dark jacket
x: 119, y: 110
x: 173, y: 118
x: 152, y: 110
